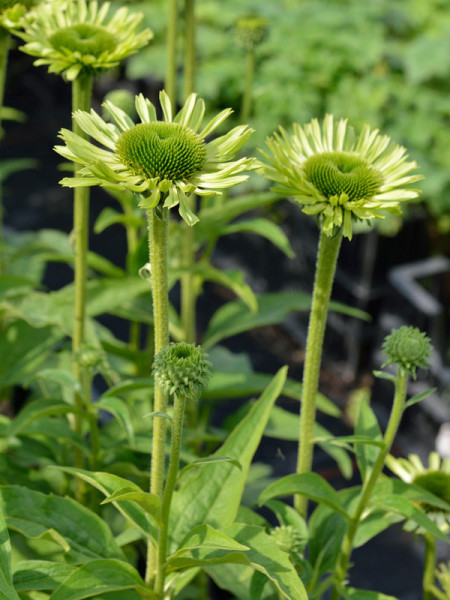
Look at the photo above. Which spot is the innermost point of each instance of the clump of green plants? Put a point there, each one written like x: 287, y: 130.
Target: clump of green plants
x: 115, y: 482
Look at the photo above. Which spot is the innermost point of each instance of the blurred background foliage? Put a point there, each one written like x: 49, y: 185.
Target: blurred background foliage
x: 382, y: 62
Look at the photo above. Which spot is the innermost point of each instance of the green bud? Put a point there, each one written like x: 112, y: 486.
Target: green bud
x: 182, y: 369
x: 251, y: 30
x: 287, y: 538
x: 407, y: 347
x: 90, y: 356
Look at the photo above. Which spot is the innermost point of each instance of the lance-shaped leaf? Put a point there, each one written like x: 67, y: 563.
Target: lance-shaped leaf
x: 78, y: 530
x: 109, y: 484
x: 99, y: 577
x: 34, y: 575
x: 213, y: 494
x: 310, y: 485
x: 265, y: 228
x: 36, y: 410
x: 149, y: 502
x: 264, y: 556
x: 7, y: 591
x: 120, y: 410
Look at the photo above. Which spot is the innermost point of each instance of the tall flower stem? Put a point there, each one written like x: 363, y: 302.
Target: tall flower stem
x: 188, y: 292
x: 81, y: 100
x: 371, y: 479
x: 325, y: 269
x: 430, y: 566
x: 246, y: 106
x: 4, y: 48
x: 171, y: 66
x: 157, y: 235
x: 175, y: 449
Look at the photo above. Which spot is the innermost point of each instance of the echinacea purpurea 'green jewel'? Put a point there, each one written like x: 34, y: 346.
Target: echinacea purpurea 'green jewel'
x: 407, y: 347
x: 76, y: 36
x: 337, y: 177
x: 288, y: 539
x: 164, y: 160
x: 182, y: 369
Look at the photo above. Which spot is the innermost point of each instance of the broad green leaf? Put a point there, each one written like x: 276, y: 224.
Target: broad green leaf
x: 12, y: 286
x: 373, y: 524
x: 340, y: 455
x: 108, y: 484
x: 59, y: 429
x: 64, y: 378
x: 231, y: 279
x: 205, y: 536
x: 310, y: 485
x: 7, y: 590
x: 355, y: 594
x: 412, y: 492
x: 120, y: 410
x: 149, y: 502
x: 99, y: 577
x: 265, y: 556
x: 33, y: 575
x: 23, y: 348
x: 130, y: 385
x: 213, y: 494
x: 207, y: 461
x: 79, y: 531
x: 109, y: 217
x: 273, y: 308
x: 38, y: 409
x: 266, y: 229
x: 402, y: 506
x: 225, y: 385
x: 214, y: 218
x: 367, y: 427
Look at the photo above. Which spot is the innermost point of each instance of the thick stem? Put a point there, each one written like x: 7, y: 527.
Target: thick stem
x: 430, y: 566
x: 171, y: 66
x: 175, y: 449
x: 81, y: 100
x: 325, y: 270
x: 371, y: 480
x: 246, y: 106
x: 157, y: 236
x: 4, y: 48
x: 189, y: 47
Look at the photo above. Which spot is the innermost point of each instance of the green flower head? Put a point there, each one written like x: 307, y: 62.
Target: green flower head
x: 251, y: 30
x: 72, y: 36
x: 182, y: 369
x: 12, y: 13
x: 162, y: 161
x: 407, y: 347
x: 434, y: 478
x: 338, y: 177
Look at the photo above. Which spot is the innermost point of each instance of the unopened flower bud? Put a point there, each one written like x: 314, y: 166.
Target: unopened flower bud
x: 407, y: 347
x: 182, y: 369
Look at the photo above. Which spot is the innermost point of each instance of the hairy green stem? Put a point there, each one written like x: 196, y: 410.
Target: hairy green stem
x: 171, y: 66
x: 370, y: 480
x: 81, y: 100
x: 157, y: 235
x: 189, y: 47
x: 246, y: 106
x: 325, y: 269
x: 175, y: 449
x: 4, y: 49
x: 430, y: 566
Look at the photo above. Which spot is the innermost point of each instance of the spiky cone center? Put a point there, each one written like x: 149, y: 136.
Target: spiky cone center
x: 167, y: 151
x: 287, y: 538
x: 85, y: 39
x: 408, y: 347
x: 338, y: 173
x: 436, y: 482
x: 182, y: 369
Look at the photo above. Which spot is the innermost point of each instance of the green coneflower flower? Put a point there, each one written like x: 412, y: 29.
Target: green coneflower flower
x: 12, y: 13
x: 251, y: 30
x: 434, y: 478
x: 72, y: 36
x: 337, y: 177
x: 166, y: 160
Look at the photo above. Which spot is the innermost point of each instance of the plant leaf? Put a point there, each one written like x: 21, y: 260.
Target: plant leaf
x: 33, y: 575
x: 149, y: 502
x: 120, y: 410
x: 101, y: 576
x: 207, y: 461
x: 273, y: 308
x: 307, y: 484
x: 213, y: 494
x: 266, y: 229
x: 78, y: 530
x: 38, y: 409
x: 7, y: 590
x: 367, y: 427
